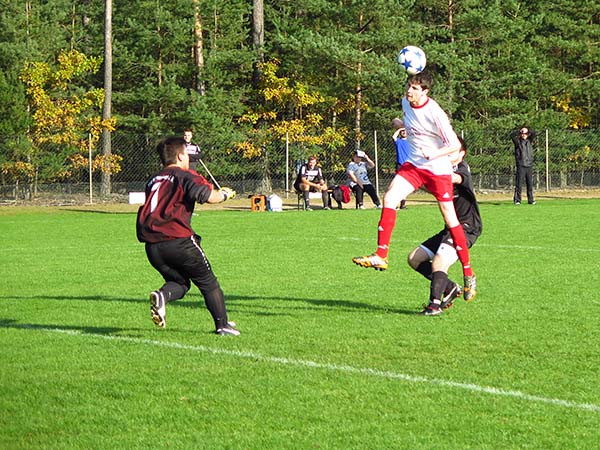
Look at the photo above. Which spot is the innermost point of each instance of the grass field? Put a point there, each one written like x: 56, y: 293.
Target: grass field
x: 331, y: 355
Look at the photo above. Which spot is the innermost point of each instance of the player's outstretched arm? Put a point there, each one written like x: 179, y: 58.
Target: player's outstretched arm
x: 221, y: 195
x: 443, y: 151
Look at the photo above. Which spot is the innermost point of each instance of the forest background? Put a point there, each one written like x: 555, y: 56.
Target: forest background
x: 245, y: 74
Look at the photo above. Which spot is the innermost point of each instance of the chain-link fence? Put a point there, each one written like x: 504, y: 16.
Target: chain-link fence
x: 564, y: 160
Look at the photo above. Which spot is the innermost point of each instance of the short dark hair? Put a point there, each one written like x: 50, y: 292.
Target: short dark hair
x: 169, y: 148
x: 422, y: 78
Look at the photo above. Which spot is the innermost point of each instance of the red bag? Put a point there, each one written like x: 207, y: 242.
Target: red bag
x: 346, y: 193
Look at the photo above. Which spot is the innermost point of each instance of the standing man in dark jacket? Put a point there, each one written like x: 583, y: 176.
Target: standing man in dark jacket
x: 523, y: 140
x: 172, y: 246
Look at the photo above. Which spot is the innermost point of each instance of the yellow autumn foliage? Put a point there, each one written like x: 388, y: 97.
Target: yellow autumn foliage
x: 61, y: 116
x: 288, y: 110
x: 578, y: 117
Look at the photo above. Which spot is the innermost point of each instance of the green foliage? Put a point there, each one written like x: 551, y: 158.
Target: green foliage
x: 153, y: 47
x: 286, y: 108
x: 495, y: 64
x: 14, y: 118
x: 325, y: 43
x: 65, y: 118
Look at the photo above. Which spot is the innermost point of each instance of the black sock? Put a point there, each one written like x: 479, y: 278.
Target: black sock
x: 449, y: 286
x: 439, y: 280
x: 215, y: 303
x: 173, y: 291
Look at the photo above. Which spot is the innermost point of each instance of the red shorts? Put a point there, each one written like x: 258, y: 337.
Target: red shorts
x: 439, y: 185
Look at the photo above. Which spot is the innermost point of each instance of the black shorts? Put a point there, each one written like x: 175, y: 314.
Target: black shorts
x: 181, y: 261
x: 310, y: 189
x: 444, y: 237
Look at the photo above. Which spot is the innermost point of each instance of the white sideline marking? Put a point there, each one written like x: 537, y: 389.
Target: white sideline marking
x: 338, y: 368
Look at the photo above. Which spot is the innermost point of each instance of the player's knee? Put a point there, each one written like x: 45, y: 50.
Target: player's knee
x: 413, y: 259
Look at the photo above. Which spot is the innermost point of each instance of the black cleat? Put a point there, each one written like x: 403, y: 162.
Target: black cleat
x: 433, y: 309
x: 451, y: 295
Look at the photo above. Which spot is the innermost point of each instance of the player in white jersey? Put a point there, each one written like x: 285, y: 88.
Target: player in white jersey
x: 431, y: 140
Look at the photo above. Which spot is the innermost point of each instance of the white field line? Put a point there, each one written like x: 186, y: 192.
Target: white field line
x: 337, y: 368
x: 138, y: 248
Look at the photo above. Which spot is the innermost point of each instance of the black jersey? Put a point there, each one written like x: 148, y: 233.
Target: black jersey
x: 193, y: 151
x: 465, y: 202
x: 170, y: 199
x: 313, y: 175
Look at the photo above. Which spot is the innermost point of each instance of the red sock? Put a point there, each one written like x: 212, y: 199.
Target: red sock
x: 387, y: 221
x: 460, y: 244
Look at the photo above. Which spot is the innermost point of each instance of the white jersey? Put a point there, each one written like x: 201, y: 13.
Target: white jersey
x: 428, y: 127
x: 360, y: 172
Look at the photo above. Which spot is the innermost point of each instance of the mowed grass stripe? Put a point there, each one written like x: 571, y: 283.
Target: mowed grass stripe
x: 332, y: 367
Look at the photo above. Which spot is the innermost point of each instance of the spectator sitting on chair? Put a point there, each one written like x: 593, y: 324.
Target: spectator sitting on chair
x: 310, y: 179
x: 358, y: 179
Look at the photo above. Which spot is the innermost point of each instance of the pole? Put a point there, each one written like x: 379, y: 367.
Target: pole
x: 547, y: 164
x: 90, y: 167
x: 287, y: 165
x: 209, y: 174
x: 376, y: 162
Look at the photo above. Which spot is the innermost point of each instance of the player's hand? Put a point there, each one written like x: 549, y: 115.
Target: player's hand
x: 426, y: 153
x: 227, y: 193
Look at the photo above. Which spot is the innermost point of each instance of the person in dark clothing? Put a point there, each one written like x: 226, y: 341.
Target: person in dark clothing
x: 192, y: 149
x: 172, y: 246
x: 310, y: 179
x: 524, y: 158
x: 434, y: 256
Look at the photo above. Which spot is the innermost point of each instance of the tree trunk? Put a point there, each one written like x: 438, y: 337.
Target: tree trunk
x: 358, y: 95
x: 450, y: 77
x: 563, y: 178
x: 357, y: 111
x: 199, y: 85
x: 265, y: 183
x: 258, y: 37
x: 105, y: 187
x: 258, y: 41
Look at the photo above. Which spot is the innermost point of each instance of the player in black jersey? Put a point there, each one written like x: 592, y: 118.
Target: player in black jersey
x: 433, y: 258
x: 172, y: 246
x: 192, y: 149
x: 310, y: 179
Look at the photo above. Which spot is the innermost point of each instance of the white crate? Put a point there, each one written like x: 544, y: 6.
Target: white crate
x: 137, y: 198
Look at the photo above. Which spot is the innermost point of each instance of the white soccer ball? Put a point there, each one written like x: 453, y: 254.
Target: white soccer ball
x: 412, y: 59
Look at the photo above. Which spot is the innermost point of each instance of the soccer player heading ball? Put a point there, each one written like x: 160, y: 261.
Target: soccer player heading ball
x: 431, y: 140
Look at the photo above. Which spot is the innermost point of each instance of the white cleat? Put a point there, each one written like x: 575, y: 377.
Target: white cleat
x: 158, y: 309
